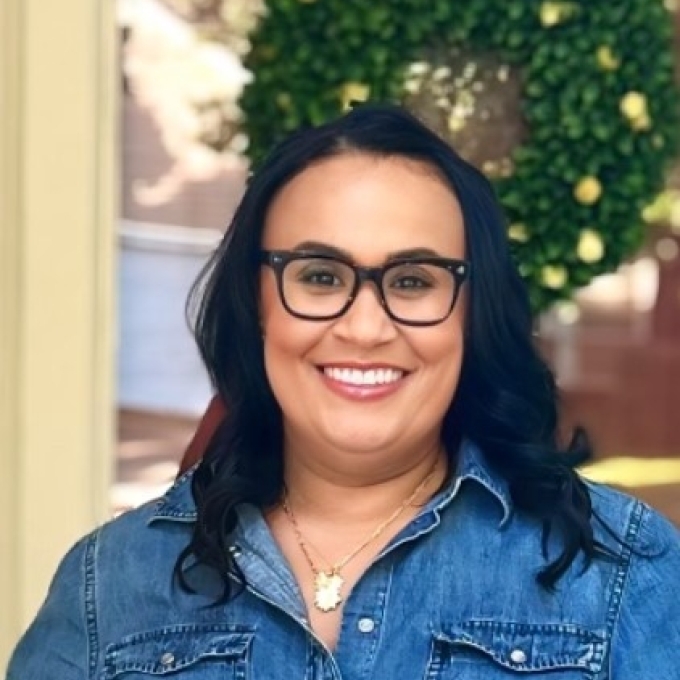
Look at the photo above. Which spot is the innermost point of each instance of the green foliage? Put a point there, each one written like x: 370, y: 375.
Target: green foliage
x: 578, y: 61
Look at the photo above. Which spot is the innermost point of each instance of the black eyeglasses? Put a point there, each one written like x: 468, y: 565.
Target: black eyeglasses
x: 419, y: 291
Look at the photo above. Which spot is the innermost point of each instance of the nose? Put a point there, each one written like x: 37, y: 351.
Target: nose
x: 365, y: 323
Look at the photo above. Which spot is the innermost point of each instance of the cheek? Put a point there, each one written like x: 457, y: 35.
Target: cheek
x: 286, y: 339
x: 281, y: 349
x: 441, y: 354
x: 443, y: 343
x: 292, y: 377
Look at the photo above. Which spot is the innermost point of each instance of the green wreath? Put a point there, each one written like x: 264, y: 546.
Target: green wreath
x: 584, y: 91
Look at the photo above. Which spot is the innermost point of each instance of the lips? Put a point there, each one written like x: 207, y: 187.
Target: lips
x: 363, y: 377
x: 363, y: 383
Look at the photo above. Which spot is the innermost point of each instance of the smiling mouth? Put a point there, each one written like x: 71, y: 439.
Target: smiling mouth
x: 361, y: 378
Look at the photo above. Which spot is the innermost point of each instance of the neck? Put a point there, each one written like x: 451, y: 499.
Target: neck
x: 359, y: 495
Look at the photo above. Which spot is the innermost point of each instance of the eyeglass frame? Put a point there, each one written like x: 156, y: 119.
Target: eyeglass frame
x: 279, y: 259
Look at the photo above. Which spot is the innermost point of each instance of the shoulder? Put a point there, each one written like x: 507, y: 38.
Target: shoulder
x: 108, y: 546
x: 643, y: 594
x: 111, y: 566
x: 99, y: 584
x: 159, y: 528
x: 631, y: 521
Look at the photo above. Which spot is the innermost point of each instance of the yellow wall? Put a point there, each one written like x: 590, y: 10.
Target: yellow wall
x: 58, y: 79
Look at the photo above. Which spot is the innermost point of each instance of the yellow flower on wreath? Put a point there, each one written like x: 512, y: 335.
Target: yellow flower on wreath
x: 606, y: 58
x: 633, y: 105
x: 554, y: 276
x: 353, y: 91
x: 590, y: 248
x: 518, y: 232
x: 553, y: 13
x: 588, y: 190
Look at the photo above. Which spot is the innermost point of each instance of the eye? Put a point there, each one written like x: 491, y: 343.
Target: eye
x: 320, y: 278
x: 321, y: 274
x: 411, y: 279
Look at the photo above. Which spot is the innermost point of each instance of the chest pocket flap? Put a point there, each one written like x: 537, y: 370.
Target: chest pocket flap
x: 522, y: 646
x: 175, y: 648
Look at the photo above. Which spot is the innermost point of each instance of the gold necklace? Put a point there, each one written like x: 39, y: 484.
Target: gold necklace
x: 328, y: 583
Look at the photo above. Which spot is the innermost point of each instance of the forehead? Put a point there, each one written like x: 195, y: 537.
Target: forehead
x: 368, y: 206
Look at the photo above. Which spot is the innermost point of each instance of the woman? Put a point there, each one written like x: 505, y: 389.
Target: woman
x: 386, y: 496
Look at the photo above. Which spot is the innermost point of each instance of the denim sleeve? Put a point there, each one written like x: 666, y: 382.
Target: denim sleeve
x: 646, y: 636
x: 58, y: 644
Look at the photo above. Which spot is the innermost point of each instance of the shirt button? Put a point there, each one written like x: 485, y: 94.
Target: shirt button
x: 235, y: 550
x: 167, y: 659
x: 366, y: 625
x: 518, y: 656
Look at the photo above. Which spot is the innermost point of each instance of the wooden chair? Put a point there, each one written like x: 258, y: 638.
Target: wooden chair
x: 206, y: 428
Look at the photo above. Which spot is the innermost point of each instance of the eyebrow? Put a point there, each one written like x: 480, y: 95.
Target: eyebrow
x: 316, y: 247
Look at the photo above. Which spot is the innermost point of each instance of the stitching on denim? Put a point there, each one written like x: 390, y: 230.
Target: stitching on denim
x: 91, y: 602
x: 622, y: 573
x: 583, y: 633
x: 382, y: 602
x: 166, y: 508
x: 183, y: 629
x: 589, y: 662
x: 481, y: 476
x: 230, y: 643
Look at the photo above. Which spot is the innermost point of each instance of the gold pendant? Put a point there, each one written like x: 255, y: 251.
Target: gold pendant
x: 327, y: 590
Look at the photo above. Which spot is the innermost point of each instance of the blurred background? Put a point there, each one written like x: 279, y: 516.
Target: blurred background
x: 122, y: 157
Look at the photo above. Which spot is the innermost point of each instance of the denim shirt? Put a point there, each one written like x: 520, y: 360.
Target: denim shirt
x: 453, y: 595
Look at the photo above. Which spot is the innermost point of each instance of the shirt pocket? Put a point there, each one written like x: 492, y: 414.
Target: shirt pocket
x: 496, y: 650
x: 185, y: 652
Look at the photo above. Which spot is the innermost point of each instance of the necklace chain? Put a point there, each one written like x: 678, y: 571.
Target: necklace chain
x: 327, y: 584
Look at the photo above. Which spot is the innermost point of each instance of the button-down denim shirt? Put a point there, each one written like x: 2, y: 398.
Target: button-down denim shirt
x: 453, y: 596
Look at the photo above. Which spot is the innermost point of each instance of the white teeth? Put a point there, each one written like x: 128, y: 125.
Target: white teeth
x: 354, y: 376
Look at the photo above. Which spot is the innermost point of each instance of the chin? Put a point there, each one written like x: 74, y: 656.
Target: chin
x: 354, y: 441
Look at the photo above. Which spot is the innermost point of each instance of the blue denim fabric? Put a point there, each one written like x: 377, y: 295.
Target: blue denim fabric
x: 453, y: 596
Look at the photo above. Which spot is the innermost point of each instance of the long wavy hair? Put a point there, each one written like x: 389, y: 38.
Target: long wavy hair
x: 506, y: 399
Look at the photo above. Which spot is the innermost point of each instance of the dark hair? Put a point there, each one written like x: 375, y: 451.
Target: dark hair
x: 506, y: 400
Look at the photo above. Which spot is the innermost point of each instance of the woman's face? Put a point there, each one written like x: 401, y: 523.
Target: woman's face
x: 321, y: 372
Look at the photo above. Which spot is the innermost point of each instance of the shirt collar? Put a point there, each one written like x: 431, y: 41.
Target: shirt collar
x: 473, y: 466
x: 178, y: 504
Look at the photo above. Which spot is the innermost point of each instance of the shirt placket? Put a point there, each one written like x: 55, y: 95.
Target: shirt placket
x: 363, y: 621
